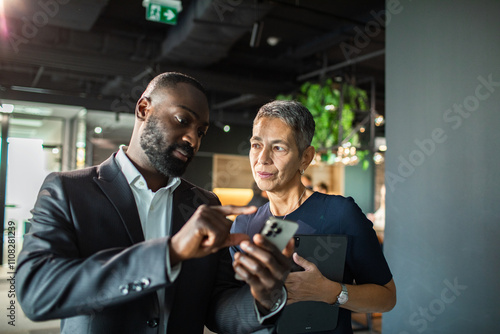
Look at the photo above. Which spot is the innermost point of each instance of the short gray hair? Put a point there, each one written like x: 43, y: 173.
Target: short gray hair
x: 293, y: 114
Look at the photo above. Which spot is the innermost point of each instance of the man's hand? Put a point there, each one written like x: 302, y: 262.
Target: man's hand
x: 206, y: 232
x: 265, y: 268
x: 309, y: 284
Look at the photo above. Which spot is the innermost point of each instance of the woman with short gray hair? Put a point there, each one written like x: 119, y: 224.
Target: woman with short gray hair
x: 280, y: 152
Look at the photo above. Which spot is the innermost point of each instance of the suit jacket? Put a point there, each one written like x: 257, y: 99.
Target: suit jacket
x: 85, y: 261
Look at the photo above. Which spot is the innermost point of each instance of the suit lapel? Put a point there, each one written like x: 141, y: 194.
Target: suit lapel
x: 115, y: 186
x: 187, y: 198
x: 183, y: 206
x: 181, y: 212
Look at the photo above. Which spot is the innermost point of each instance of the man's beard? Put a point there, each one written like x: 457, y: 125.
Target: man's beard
x: 160, y: 153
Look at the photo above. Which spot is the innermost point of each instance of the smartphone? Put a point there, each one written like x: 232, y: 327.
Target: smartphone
x: 279, y: 231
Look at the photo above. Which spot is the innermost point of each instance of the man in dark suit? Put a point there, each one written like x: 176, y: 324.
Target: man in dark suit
x: 130, y: 247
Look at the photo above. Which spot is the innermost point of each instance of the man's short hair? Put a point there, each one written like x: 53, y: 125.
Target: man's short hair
x: 170, y: 80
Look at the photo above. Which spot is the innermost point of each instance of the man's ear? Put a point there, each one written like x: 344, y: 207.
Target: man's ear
x: 307, y: 157
x: 142, y: 108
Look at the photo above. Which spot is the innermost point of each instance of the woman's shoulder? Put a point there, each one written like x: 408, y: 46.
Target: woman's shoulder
x: 341, y: 204
x: 336, y: 200
x: 336, y: 206
x: 348, y: 213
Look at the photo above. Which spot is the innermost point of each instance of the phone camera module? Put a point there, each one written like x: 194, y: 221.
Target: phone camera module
x: 273, y: 230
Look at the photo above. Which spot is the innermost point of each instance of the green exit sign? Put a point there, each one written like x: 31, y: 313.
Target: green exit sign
x: 161, y: 13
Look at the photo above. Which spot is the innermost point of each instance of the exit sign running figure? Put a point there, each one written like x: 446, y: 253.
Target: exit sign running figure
x: 160, y: 13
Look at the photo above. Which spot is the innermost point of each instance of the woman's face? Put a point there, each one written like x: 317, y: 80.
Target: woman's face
x: 274, y: 155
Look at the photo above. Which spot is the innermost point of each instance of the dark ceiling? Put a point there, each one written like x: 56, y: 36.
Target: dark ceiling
x: 100, y: 54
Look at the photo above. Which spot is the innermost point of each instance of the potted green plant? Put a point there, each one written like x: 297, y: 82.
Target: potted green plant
x: 333, y: 106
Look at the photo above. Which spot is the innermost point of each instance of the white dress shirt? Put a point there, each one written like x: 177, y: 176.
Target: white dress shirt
x: 155, y: 212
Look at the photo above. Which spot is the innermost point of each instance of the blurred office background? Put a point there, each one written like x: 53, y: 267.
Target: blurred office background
x: 417, y: 150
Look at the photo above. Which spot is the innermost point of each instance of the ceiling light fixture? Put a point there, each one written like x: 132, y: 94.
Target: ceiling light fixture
x: 346, y: 154
x: 34, y: 123
x: 273, y: 40
x: 6, y: 108
x: 256, y: 34
x: 378, y: 158
x: 379, y: 120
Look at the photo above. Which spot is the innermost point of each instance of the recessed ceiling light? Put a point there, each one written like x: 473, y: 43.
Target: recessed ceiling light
x: 6, y: 108
x: 379, y: 120
x: 34, y: 123
x: 273, y: 40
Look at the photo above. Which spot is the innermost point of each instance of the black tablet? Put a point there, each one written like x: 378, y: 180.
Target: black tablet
x: 328, y: 253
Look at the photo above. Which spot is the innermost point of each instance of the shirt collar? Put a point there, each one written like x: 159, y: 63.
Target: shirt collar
x: 134, y: 177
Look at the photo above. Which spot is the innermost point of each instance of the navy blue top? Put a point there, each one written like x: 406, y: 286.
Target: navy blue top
x: 331, y: 214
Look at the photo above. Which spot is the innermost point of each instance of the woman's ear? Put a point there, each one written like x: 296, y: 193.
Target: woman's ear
x: 142, y: 108
x: 307, y: 157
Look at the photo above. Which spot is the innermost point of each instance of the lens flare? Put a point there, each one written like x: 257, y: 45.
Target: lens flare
x: 3, y: 21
